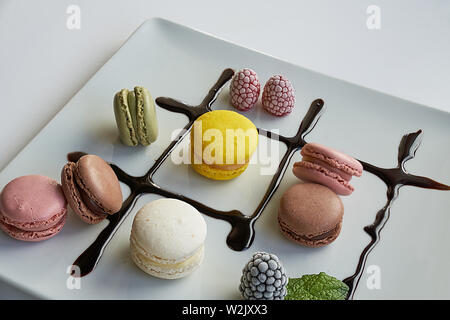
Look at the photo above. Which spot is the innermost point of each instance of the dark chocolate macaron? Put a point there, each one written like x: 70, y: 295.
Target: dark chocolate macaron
x: 91, y: 188
x: 310, y: 214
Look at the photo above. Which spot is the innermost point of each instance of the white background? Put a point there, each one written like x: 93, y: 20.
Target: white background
x: 43, y: 63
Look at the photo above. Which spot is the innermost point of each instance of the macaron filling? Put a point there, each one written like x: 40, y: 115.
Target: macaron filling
x: 122, y: 97
x: 224, y: 167
x: 92, y: 206
x: 218, y: 174
x: 33, y: 235
x: 309, y: 169
x: 74, y: 195
x: 333, y: 158
x: 344, y: 175
x: 141, y: 125
x: 321, y: 236
x: 39, y: 225
x: 88, y: 199
x: 165, y: 268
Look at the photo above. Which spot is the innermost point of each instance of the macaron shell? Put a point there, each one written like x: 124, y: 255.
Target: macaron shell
x: 74, y: 198
x: 334, y: 158
x: 310, y: 172
x: 124, y: 119
x: 33, y: 202
x: 169, y: 229
x: 217, y: 174
x: 33, y: 236
x: 221, y: 121
x: 146, y: 121
x: 309, y: 210
x: 98, y: 180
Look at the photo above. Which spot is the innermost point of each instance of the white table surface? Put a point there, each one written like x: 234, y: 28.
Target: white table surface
x: 43, y: 63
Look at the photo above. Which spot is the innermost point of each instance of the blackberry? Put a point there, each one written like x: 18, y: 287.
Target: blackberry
x: 263, y: 278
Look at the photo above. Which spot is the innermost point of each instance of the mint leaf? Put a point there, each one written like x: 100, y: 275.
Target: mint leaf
x: 316, y: 287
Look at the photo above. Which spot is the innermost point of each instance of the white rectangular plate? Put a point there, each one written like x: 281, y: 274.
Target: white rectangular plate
x: 411, y: 260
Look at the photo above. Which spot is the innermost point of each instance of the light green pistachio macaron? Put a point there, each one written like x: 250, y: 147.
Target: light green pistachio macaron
x: 135, y: 116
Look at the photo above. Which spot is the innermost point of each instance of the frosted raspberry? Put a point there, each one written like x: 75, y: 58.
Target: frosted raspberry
x: 244, y: 89
x: 278, y: 97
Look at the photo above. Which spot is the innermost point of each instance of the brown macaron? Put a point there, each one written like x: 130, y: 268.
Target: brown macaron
x: 91, y: 188
x: 310, y: 214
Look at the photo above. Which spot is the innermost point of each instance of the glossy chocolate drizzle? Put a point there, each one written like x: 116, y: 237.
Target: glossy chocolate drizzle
x: 242, y: 231
x: 394, y: 178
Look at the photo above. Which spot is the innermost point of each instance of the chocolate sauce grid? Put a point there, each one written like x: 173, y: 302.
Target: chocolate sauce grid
x: 242, y: 231
x: 394, y: 178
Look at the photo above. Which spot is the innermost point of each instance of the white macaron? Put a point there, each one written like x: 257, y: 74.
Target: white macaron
x: 167, y: 238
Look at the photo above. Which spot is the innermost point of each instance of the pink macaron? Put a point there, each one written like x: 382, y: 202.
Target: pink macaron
x: 329, y: 167
x: 32, y: 208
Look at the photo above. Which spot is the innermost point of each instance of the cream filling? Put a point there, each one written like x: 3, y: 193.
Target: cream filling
x: 225, y: 167
x: 123, y: 103
x: 140, y: 116
x: 159, y: 260
x: 163, y: 268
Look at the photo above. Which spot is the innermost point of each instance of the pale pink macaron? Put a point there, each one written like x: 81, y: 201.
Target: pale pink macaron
x: 329, y: 167
x: 32, y: 208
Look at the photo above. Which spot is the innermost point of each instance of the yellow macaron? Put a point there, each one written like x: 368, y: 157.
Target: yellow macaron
x: 222, y: 143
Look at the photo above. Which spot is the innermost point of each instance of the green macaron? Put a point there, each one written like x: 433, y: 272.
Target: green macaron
x: 135, y: 116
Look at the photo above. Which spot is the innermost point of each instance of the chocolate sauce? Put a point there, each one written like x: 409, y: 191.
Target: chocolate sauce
x: 75, y: 156
x: 394, y: 178
x: 140, y: 185
x: 242, y: 231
